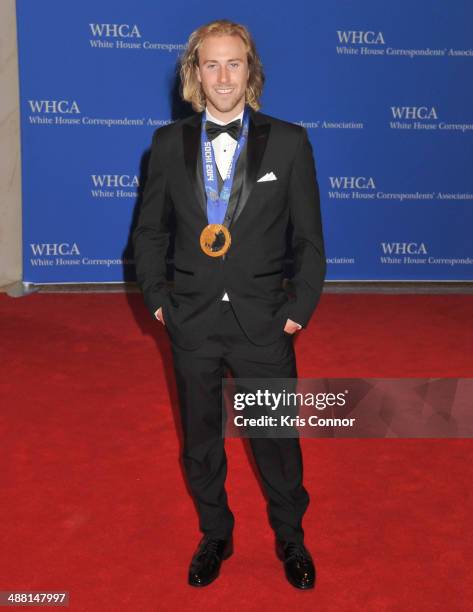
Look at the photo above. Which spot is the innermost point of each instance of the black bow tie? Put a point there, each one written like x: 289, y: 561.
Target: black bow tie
x: 213, y: 129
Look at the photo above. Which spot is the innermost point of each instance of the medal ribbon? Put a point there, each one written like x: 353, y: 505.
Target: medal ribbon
x: 217, y: 204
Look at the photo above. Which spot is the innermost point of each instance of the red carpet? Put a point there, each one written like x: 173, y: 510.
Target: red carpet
x: 93, y: 499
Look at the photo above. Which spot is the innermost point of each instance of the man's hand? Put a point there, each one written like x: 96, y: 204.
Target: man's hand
x: 291, y: 327
x: 159, y: 315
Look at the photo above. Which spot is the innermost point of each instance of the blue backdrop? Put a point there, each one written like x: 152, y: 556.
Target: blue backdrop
x: 383, y: 88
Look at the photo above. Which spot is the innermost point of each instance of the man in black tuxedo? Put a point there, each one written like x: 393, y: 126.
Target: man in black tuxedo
x: 228, y: 307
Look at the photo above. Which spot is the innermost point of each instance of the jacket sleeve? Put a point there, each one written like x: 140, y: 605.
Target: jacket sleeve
x: 151, y: 235
x: 307, y: 236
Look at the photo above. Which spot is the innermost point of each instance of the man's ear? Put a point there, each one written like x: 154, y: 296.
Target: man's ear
x: 197, y: 72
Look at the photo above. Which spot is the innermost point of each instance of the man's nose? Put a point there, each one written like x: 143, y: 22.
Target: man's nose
x: 223, y: 74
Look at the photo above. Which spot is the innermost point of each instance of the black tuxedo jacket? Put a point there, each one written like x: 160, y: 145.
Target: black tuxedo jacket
x: 267, y: 215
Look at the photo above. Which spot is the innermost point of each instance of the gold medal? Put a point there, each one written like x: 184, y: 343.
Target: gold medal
x: 215, y: 240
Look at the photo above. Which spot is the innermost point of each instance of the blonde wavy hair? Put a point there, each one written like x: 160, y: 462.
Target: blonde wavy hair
x: 191, y: 89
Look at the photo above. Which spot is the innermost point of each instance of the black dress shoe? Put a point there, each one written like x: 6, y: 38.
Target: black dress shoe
x: 298, y: 564
x: 206, y: 562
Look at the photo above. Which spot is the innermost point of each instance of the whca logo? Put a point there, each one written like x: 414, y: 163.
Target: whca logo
x: 352, y: 182
x: 55, y: 248
x: 404, y: 248
x: 62, y: 107
x: 360, y: 37
x: 114, y: 30
x: 414, y: 112
x: 115, y: 180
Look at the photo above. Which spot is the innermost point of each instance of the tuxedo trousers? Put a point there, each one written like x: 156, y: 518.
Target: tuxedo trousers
x: 199, y: 374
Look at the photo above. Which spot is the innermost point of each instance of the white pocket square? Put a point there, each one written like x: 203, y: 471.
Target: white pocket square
x: 269, y: 176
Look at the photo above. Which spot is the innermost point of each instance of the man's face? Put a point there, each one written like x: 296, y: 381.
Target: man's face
x: 223, y: 73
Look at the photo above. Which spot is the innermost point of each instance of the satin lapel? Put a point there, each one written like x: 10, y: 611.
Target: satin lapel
x: 258, y: 134
x: 191, y: 145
